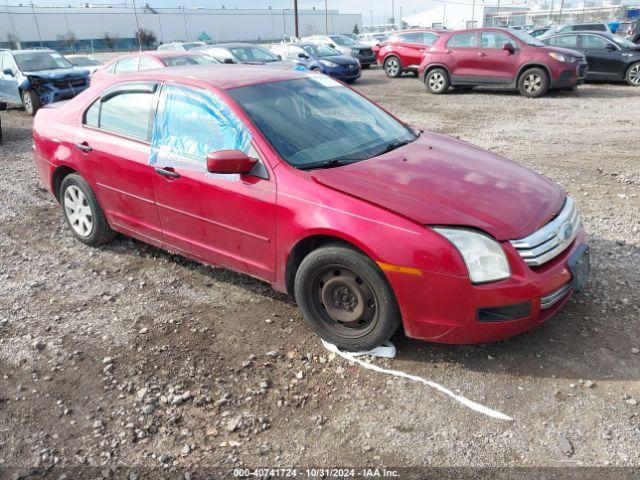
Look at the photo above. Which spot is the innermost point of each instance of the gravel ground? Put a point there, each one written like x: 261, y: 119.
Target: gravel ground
x: 128, y: 358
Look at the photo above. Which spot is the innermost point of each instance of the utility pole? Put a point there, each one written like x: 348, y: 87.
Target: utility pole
x: 561, y: 8
x: 393, y: 15
x: 371, y: 17
x: 473, y: 14
x: 400, y: 17
x: 295, y: 18
x: 551, y: 13
x: 35, y: 18
x: 135, y: 14
x: 326, y: 17
x: 184, y: 18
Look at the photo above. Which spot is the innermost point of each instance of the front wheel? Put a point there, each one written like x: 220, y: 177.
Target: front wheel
x: 437, y: 81
x: 346, y: 299
x: 633, y: 75
x: 392, y: 67
x: 31, y: 102
x: 533, y: 83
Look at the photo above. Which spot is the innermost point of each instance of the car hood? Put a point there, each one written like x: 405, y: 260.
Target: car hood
x: 566, y: 51
x: 342, y: 60
x: 57, y: 74
x: 438, y: 180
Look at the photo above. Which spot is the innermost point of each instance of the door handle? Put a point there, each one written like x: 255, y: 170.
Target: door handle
x: 482, y: 54
x: 167, y: 172
x: 84, y: 146
x: 447, y: 52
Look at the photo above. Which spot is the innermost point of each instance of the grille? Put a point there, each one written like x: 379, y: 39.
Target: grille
x: 70, y: 83
x: 554, y: 297
x: 582, y: 71
x: 551, y: 240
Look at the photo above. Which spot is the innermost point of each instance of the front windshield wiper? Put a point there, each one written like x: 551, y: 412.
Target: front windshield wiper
x: 334, y: 162
x: 394, y: 145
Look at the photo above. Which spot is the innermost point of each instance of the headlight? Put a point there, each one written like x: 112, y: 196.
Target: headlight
x: 561, y: 57
x: 328, y: 63
x: 483, y: 256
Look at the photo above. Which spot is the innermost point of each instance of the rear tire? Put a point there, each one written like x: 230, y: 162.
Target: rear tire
x: 633, y: 75
x: 533, y: 83
x: 345, y: 298
x: 437, y: 81
x: 83, y: 213
x: 31, y: 102
x: 392, y: 66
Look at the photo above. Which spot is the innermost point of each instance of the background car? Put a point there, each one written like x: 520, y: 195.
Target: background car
x: 347, y: 46
x: 150, y: 60
x: 179, y: 46
x: 501, y: 57
x: 403, y: 51
x: 536, y: 32
x: 84, y: 61
x: 322, y: 59
x: 576, y: 27
x: 610, y: 57
x: 633, y: 32
x: 246, y: 53
x: 33, y: 78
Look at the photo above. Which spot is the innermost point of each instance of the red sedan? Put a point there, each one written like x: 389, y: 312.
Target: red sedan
x: 298, y: 180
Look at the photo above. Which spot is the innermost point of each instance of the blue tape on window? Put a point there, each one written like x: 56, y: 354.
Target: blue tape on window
x: 191, y: 124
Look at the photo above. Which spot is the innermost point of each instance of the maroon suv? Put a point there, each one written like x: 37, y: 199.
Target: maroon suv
x: 496, y: 56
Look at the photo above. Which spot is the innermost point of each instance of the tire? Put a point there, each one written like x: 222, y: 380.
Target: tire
x: 533, y: 83
x: 3, y: 106
x: 632, y: 76
x: 31, y: 102
x: 392, y: 66
x: 88, y: 225
x: 361, y: 311
x: 437, y: 81
x: 316, y: 70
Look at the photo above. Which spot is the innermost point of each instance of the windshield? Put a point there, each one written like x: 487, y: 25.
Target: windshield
x: 526, y: 38
x: 34, y: 61
x: 313, y: 121
x: 326, y: 51
x: 623, y: 42
x: 83, y: 61
x: 189, y: 46
x: 253, y: 54
x: 342, y: 40
x: 181, y: 60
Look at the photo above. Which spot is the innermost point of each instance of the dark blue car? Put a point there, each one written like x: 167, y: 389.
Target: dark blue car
x: 33, y: 78
x: 324, y: 59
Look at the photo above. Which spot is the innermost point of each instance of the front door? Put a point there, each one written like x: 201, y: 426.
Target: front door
x: 603, y: 56
x: 496, y: 64
x: 8, y: 83
x: 223, y: 219
x: 113, y: 143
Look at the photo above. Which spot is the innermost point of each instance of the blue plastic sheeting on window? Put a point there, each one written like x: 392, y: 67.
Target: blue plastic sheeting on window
x: 191, y: 124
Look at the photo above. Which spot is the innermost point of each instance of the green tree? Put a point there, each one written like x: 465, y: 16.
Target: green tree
x: 356, y: 30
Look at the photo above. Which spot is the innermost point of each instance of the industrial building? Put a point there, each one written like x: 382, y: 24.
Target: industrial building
x: 113, y: 28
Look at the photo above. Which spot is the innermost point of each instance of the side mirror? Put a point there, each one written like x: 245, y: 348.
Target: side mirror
x: 610, y: 47
x: 230, y: 161
x: 509, y: 48
x: 229, y: 60
x: 302, y: 55
x: 279, y: 57
x: 332, y: 45
x: 7, y: 71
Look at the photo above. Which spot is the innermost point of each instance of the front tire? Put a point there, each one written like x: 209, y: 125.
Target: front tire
x: 533, y: 83
x: 392, y: 67
x: 83, y: 213
x: 633, y: 75
x: 437, y: 81
x: 31, y: 102
x: 345, y: 298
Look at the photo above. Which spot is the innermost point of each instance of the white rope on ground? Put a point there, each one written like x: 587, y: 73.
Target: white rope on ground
x: 397, y: 373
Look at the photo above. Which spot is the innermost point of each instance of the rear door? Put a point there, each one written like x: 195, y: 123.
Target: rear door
x: 464, y: 62
x: 412, y: 46
x: 496, y: 64
x: 113, y: 145
x: 603, y: 56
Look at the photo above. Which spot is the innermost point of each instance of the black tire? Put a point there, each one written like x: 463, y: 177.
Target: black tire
x: 31, y: 102
x: 100, y: 231
x: 632, y: 77
x: 392, y: 66
x: 362, y: 312
x: 437, y: 81
x: 533, y: 83
x: 3, y: 106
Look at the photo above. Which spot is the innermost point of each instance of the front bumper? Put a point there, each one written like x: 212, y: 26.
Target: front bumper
x: 344, y: 73
x: 446, y: 308
x: 51, y: 92
x: 571, y: 76
x: 365, y: 59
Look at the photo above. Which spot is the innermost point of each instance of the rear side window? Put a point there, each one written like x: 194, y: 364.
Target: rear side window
x: 428, y: 38
x: 462, y: 40
x: 147, y: 63
x: 126, y: 112
x: 127, y: 65
x: 413, y: 37
x: 592, y: 42
x: 564, y: 41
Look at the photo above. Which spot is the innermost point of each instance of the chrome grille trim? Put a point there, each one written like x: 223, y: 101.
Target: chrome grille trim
x: 553, y: 298
x: 550, y: 241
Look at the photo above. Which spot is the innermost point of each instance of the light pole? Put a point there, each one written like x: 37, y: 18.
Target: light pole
x: 393, y: 15
x: 37, y: 26
x: 184, y: 18
x: 326, y: 17
x: 295, y: 19
x: 371, y: 16
x: 135, y: 14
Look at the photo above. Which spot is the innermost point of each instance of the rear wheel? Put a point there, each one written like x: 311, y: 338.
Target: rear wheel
x: 533, y: 83
x: 392, y: 67
x: 31, y: 102
x: 345, y: 298
x: 437, y: 81
x: 633, y: 75
x: 82, y: 212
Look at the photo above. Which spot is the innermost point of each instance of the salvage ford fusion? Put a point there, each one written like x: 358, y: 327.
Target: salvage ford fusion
x: 300, y: 181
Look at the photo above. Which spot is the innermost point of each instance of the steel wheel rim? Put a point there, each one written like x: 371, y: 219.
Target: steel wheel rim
x: 532, y: 83
x: 436, y: 82
x: 634, y: 75
x: 78, y: 211
x: 343, y: 301
x: 392, y: 67
x: 28, y: 105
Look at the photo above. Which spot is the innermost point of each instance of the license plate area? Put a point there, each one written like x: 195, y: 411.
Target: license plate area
x: 579, y: 267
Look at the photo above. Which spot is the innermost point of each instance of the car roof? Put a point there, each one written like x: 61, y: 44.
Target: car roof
x: 34, y: 50
x: 233, y: 45
x: 583, y: 32
x: 222, y: 76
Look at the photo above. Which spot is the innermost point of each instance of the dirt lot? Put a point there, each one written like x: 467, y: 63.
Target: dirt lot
x: 128, y: 358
